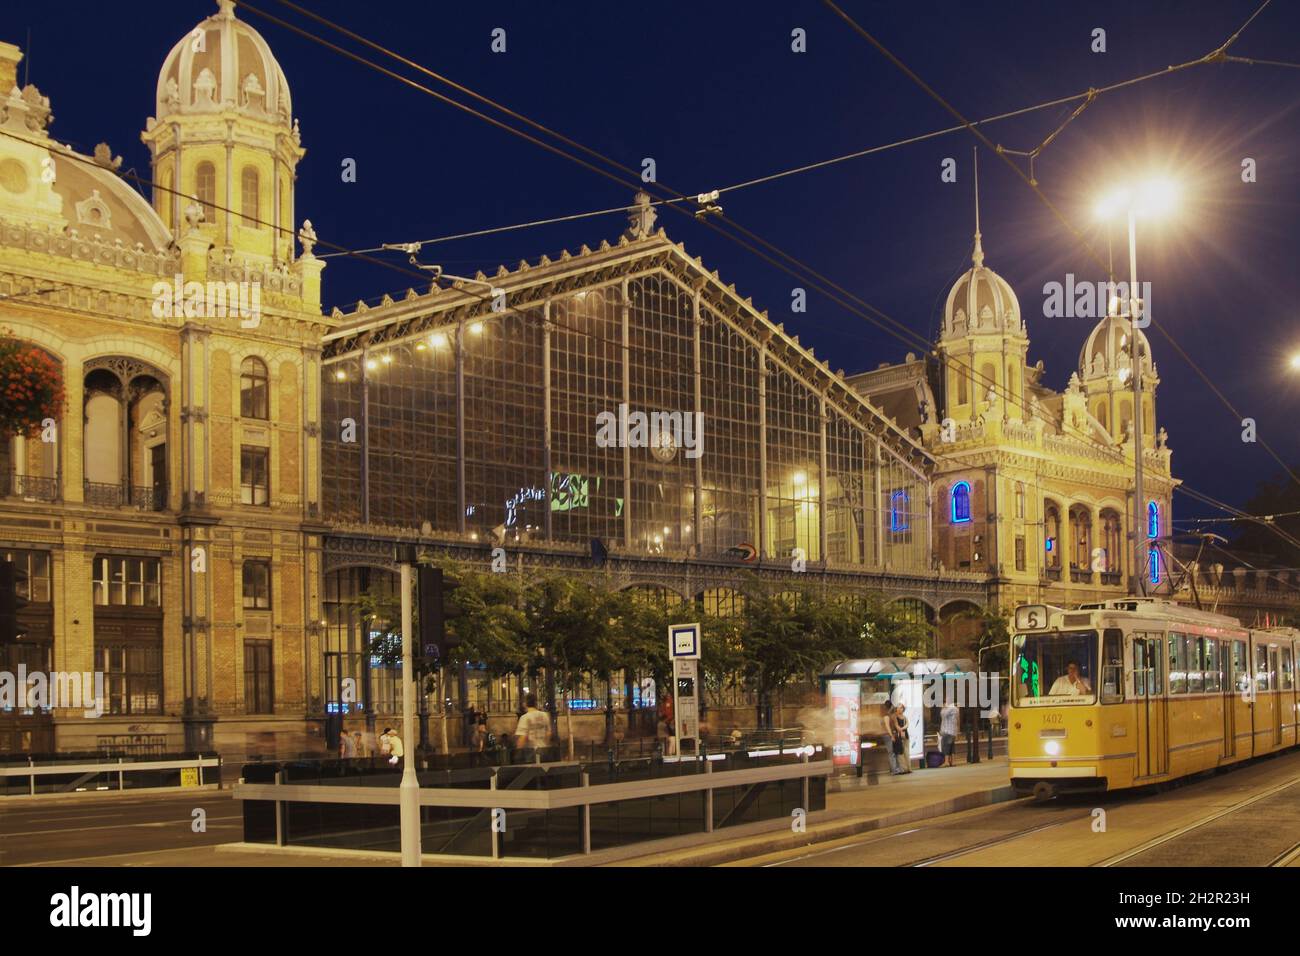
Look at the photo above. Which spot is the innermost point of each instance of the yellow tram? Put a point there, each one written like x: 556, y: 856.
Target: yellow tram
x: 1138, y: 691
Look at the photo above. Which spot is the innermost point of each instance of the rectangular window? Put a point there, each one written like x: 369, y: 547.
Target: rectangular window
x: 1177, y: 664
x: 1194, y: 654
x: 32, y: 574
x: 257, y: 584
x: 1112, y: 666
x: 132, y: 677
x: 1240, y: 667
x: 1020, y: 553
x: 1262, y: 676
x: 254, y: 476
x: 257, y: 677
x: 134, y: 582
x: 1213, y: 665
x: 1288, y: 676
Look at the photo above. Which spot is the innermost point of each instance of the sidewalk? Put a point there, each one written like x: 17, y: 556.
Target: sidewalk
x: 866, y: 804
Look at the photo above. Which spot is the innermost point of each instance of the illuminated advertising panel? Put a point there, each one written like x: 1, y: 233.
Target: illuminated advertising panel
x: 844, y: 696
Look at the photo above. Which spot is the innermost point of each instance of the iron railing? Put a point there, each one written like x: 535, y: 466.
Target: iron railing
x: 31, y: 487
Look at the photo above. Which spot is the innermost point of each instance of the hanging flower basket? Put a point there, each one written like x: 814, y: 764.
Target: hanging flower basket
x: 31, y: 389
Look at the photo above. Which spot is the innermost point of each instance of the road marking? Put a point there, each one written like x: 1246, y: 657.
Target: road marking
x: 847, y: 846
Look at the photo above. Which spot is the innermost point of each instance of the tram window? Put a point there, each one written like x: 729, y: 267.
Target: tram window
x: 1240, y: 667
x: 1112, y: 665
x: 1141, y: 666
x: 1288, y: 678
x: 1177, y: 664
x: 1213, y: 666
x: 1194, y: 657
x: 1042, y: 670
x: 1262, y: 681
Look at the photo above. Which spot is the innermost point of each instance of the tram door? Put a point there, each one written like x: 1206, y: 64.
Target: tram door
x: 1149, y: 692
x: 1230, y: 695
x: 1274, y: 672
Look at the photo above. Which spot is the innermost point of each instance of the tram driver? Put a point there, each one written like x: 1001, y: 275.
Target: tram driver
x: 1071, y: 683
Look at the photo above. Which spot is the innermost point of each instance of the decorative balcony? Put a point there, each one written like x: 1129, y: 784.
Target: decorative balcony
x: 1112, y: 578
x: 1052, y: 574
x: 1080, y: 576
x: 29, y: 487
x: 103, y: 495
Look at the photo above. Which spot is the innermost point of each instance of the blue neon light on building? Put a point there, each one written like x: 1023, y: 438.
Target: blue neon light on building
x: 960, y: 502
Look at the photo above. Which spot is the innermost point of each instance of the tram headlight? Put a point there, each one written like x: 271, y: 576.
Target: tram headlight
x: 1052, y: 747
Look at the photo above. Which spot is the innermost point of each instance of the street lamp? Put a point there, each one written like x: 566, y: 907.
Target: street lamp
x: 1295, y: 362
x: 1151, y: 199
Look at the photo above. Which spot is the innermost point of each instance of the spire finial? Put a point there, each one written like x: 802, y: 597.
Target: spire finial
x: 977, y: 257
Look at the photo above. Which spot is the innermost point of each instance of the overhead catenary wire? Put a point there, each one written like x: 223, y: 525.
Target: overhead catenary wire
x: 1087, y: 246
x: 925, y: 345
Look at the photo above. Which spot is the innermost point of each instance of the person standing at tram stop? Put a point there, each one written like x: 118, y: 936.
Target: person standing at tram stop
x: 899, y: 752
x: 947, y: 730
x: 1071, y: 683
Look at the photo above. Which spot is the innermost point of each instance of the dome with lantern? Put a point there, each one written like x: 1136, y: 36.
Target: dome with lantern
x: 1107, y: 350
x: 223, y: 64
x: 981, y: 301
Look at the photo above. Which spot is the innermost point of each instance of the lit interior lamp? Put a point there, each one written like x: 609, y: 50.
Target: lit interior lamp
x: 387, y: 359
x: 372, y: 364
x: 438, y: 340
x: 476, y: 328
x: 341, y: 376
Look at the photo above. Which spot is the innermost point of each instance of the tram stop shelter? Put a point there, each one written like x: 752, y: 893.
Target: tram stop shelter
x: 856, y: 692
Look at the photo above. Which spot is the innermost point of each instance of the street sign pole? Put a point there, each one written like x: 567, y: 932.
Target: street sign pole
x: 684, y: 651
x: 409, y: 791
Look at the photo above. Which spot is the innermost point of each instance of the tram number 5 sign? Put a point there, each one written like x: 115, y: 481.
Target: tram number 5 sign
x: 1031, y: 617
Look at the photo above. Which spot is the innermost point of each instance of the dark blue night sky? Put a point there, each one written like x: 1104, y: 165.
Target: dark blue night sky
x: 714, y: 94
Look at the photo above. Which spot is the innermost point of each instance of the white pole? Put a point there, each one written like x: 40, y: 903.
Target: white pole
x: 409, y: 792
x: 1139, y: 502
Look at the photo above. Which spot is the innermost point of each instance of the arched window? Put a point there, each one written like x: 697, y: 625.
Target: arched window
x: 253, y: 389
x: 961, y: 384
x: 1020, y: 499
x: 205, y: 187
x: 1153, y: 520
x: 960, y: 502
x: 898, y: 511
x: 248, y: 197
x: 1052, y: 535
x: 1112, y: 537
x: 1081, y: 538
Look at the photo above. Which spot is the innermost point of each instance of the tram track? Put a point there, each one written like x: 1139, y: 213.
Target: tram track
x: 998, y: 841
x: 1177, y: 833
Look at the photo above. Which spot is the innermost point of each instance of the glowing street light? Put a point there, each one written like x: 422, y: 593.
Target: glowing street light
x: 1153, y: 198
x: 1295, y: 361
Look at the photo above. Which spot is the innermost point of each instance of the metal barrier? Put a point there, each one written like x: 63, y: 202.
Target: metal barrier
x: 465, y: 817
x: 84, y: 772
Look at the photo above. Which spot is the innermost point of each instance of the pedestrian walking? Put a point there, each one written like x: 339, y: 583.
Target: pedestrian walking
x: 347, y: 746
x: 395, y: 749
x: 358, y: 744
x: 533, y: 732
x: 947, y: 730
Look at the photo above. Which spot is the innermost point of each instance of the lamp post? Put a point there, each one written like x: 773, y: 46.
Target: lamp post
x: 1152, y: 198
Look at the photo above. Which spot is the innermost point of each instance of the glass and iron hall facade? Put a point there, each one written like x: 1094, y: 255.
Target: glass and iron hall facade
x: 510, y: 410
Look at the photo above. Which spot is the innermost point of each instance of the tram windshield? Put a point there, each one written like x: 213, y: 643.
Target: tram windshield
x: 1055, y: 668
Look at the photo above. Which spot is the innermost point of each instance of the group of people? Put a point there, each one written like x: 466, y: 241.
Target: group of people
x: 532, y: 737
x: 895, y: 721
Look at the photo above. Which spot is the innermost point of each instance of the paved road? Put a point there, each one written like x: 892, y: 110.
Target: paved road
x: 87, y: 828
x: 1245, y: 817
